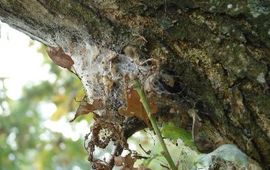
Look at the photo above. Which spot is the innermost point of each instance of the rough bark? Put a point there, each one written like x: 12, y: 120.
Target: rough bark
x: 198, y: 59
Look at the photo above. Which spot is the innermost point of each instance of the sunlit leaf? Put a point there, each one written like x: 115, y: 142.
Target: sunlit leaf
x: 181, y: 154
x: 59, y: 98
x: 61, y: 111
x: 170, y: 131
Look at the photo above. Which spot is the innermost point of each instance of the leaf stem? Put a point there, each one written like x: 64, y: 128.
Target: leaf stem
x: 144, y: 101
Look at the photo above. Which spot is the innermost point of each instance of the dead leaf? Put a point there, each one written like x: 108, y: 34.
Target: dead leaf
x: 98, y: 164
x: 135, y: 107
x: 126, y: 162
x: 118, y: 160
x: 59, y: 57
x: 129, y: 161
x: 85, y: 107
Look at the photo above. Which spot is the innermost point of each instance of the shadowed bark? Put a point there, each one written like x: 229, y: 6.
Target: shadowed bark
x: 205, y: 64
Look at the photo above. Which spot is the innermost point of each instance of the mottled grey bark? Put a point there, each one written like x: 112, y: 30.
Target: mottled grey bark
x: 206, y: 60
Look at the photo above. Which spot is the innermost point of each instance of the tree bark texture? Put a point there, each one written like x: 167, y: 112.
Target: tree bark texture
x: 206, y: 64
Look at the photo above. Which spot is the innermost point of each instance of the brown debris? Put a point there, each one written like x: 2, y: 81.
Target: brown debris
x: 85, y: 107
x: 126, y: 162
x: 102, y: 132
x: 59, y: 57
x: 134, y: 106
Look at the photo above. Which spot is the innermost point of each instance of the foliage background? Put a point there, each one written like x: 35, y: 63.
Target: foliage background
x: 29, y: 126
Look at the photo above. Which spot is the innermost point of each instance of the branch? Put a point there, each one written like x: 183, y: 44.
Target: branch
x: 143, y: 99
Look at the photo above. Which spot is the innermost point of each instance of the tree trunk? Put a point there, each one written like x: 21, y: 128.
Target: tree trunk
x: 202, y: 63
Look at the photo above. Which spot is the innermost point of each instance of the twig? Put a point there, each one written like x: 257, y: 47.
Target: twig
x: 143, y: 99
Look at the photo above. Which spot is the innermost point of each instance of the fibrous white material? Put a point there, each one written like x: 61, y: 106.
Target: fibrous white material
x: 100, y: 68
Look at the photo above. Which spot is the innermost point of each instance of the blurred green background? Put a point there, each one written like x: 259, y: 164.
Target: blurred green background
x: 34, y: 128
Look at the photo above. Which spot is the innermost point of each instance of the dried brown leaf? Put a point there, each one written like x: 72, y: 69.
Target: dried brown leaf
x: 85, y: 108
x: 59, y: 57
x: 129, y: 161
x: 118, y: 160
x: 126, y: 162
x: 135, y: 107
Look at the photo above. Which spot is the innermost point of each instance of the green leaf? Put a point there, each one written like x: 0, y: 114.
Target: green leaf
x: 170, y: 131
